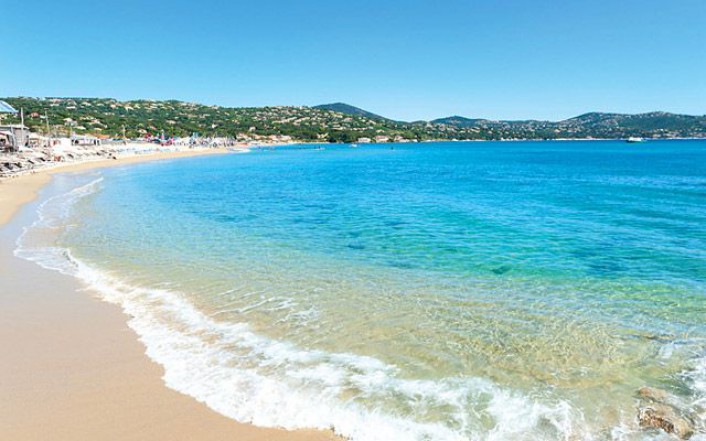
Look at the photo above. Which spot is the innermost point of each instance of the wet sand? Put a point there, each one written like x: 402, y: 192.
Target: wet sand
x: 71, y: 369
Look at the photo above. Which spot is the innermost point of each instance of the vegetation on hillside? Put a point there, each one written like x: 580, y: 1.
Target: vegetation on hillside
x: 329, y: 123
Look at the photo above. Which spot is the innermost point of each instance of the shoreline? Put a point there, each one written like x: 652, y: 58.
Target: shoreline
x: 18, y: 190
x: 72, y: 368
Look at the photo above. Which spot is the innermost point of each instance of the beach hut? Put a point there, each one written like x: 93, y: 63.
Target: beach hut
x: 35, y: 140
x: 8, y: 140
x: 14, y: 136
x: 85, y: 140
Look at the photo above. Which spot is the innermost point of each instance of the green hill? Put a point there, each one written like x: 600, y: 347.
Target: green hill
x: 331, y: 122
x: 460, y: 121
x: 347, y: 109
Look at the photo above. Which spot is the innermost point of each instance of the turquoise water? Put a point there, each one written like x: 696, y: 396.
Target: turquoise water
x: 519, y: 290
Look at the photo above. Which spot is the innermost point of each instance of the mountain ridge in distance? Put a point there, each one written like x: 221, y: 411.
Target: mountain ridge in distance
x: 348, y: 109
x: 655, y: 120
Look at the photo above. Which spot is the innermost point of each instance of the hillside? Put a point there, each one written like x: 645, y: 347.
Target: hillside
x: 460, y: 121
x: 347, y: 109
x: 590, y: 125
x: 329, y: 123
x: 139, y: 118
x: 653, y: 121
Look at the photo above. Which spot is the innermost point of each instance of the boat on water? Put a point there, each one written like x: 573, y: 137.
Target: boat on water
x: 354, y: 146
x: 634, y: 139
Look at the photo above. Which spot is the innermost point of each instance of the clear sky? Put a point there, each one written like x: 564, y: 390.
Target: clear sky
x: 411, y: 59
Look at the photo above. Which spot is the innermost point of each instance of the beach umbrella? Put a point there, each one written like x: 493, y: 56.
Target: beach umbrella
x: 6, y: 108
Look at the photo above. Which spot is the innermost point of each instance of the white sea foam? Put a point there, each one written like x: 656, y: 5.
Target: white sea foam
x: 272, y: 383
x: 51, y: 216
x: 696, y: 378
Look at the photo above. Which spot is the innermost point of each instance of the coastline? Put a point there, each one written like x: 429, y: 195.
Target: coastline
x: 72, y: 369
x: 16, y: 191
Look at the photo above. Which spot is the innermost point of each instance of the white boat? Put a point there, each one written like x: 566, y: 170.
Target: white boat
x: 634, y: 139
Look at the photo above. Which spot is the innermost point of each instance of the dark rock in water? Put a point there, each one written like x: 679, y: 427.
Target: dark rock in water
x: 665, y: 417
x: 501, y: 269
x: 402, y: 265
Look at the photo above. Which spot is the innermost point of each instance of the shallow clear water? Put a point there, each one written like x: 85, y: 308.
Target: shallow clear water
x: 433, y: 291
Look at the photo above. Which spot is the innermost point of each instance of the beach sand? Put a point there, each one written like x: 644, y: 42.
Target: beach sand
x: 71, y: 369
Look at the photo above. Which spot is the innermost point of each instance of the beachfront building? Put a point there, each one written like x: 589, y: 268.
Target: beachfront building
x: 8, y: 134
x: 280, y: 138
x: 85, y: 140
x: 13, y: 137
x: 7, y: 141
x: 36, y: 141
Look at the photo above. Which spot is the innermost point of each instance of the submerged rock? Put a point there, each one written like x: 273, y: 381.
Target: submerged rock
x: 501, y: 269
x: 657, y: 411
x: 653, y: 393
x: 665, y: 417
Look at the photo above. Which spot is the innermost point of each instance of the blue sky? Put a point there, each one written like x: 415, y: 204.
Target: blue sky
x: 414, y: 59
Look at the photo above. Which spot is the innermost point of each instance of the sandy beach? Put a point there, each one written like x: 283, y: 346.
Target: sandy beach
x: 71, y: 368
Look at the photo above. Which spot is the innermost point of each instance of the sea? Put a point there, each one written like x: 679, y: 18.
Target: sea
x: 421, y: 291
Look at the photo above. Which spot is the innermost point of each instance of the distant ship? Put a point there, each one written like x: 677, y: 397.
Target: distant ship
x: 634, y: 139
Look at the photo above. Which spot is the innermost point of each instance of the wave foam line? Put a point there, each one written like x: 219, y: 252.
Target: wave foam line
x: 272, y: 383
x: 51, y: 216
